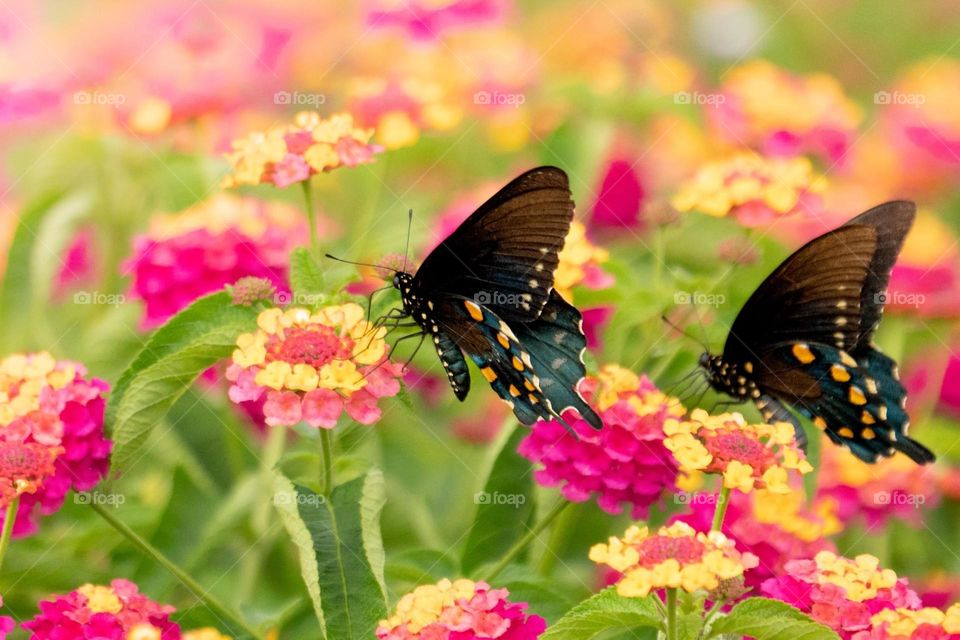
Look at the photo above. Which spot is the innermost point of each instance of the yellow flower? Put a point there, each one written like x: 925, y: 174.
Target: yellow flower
x: 101, y: 599
x: 206, y: 633
x: 577, y: 257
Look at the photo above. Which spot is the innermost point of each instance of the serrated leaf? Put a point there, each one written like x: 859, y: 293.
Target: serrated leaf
x: 189, y: 343
x: 341, y: 552
x: 766, y: 619
x: 606, y: 611
x: 504, y: 506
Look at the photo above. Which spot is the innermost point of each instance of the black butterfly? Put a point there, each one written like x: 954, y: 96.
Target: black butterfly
x: 803, y: 339
x: 487, y: 292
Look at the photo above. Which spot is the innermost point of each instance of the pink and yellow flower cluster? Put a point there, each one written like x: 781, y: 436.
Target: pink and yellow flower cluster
x: 312, y: 366
x: 623, y: 463
x: 674, y: 557
x: 460, y: 609
x: 51, y: 434
x: 748, y: 456
x: 754, y: 189
x: 288, y: 154
x: 923, y: 624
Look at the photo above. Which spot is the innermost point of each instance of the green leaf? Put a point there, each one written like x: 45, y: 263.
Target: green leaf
x: 189, y: 343
x: 504, y: 506
x: 765, y: 619
x: 306, y: 276
x: 341, y: 552
x: 604, y: 612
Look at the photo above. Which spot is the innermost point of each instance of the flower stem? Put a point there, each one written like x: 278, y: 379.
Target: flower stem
x: 311, y: 217
x: 723, y: 499
x: 672, y: 614
x: 525, y: 541
x: 8, y: 519
x: 219, y: 609
x: 326, y: 462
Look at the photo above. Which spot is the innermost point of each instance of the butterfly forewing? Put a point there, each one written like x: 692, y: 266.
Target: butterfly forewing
x: 505, y: 254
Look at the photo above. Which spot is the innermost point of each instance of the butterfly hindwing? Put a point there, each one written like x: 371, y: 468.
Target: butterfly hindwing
x: 858, y: 402
x: 556, y: 344
x: 505, y: 254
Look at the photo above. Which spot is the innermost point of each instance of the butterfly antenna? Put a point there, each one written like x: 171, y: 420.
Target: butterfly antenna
x: 684, y: 333
x: 406, y: 246
x: 360, y: 264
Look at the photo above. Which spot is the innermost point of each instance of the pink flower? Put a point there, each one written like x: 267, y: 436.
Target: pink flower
x: 7, y: 624
x: 212, y: 244
x: 620, y: 198
x: 431, y: 20
x: 102, y: 613
x: 462, y: 610
x: 52, y: 403
x: 624, y: 462
x: 77, y: 264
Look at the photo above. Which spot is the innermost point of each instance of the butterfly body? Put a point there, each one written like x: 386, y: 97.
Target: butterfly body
x: 804, y: 340
x: 486, y: 293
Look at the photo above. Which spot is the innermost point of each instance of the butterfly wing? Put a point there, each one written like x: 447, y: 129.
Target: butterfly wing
x: 556, y: 344
x: 504, y: 255
x: 890, y: 221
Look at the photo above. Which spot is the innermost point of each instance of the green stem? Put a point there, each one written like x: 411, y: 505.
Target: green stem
x: 525, y: 541
x: 8, y: 519
x: 723, y: 499
x: 559, y: 534
x: 326, y: 462
x: 311, y: 217
x: 671, y: 614
x: 150, y: 551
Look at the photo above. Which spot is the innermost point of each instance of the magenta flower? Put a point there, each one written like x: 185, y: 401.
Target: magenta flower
x: 212, y: 244
x: 117, y: 612
x: 7, y: 624
x: 619, y: 199
x: 624, y: 462
x: 431, y: 20
x: 51, y: 403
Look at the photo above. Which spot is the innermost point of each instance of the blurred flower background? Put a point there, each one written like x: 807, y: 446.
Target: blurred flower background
x: 153, y: 152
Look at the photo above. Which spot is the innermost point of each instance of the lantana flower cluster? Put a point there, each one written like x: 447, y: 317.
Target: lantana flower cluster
x: 189, y: 254
x: 775, y: 527
x: 313, y: 366
x: 840, y: 592
x: 579, y: 263
x: 676, y: 556
x: 50, y: 414
x: 624, y: 462
x: 924, y: 624
x: 287, y: 154
x: 748, y: 456
x: 754, y: 189
x: 115, y: 612
x: 460, y: 609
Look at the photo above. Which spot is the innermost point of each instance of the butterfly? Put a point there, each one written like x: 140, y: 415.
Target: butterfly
x: 804, y: 339
x: 486, y: 293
